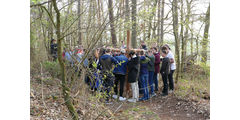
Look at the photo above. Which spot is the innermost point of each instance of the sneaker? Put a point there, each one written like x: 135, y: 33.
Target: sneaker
x: 142, y: 99
x: 108, y: 103
x: 122, y: 98
x: 153, y: 94
x: 132, y: 100
x: 170, y: 91
x: 115, y: 96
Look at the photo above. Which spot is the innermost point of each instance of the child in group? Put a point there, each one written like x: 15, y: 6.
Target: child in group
x: 165, y: 68
x: 156, y: 67
x: 144, y: 75
x: 133, y: 75
x: 151, y: 72
x: 120, y: 73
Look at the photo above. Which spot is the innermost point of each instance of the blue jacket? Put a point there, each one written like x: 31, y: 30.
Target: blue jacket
x: 68, y: 57
x: 79, y: 59
x: 121, y: 67
x: 106, y: 62
x: 144, y: 65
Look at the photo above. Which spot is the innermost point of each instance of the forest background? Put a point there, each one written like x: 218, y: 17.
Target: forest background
x: 211, y: 42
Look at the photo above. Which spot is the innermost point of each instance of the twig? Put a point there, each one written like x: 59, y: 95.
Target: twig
x: 118, y: 108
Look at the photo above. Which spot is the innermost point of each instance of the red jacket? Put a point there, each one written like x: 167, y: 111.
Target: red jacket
x: 157, y: 62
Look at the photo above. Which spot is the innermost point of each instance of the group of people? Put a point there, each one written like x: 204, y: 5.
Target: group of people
x: 142, y: 68
x: 109, y: 68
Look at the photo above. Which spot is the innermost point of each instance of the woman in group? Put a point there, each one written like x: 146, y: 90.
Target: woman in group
x: 172, y: 67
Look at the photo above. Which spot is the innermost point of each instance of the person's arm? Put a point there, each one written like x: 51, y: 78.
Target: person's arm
x: 164, y: 66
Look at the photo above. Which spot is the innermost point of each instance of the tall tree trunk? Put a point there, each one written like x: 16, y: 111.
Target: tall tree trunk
x: 127, y: 12
x: 134, y: 24
x: 205, y: 36
x: 65, y: 89
x: 158, y: 22
x: 113, y: 33
x: 79, y: 24
x: 162, y: 23
x: 182, y: 37
x: 175, y: 32
x: 99, y: 19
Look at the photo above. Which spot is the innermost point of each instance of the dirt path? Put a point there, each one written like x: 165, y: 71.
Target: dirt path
x: 166, y: 108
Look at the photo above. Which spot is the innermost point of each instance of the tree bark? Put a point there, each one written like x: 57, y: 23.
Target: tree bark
x: 205, y: 36
x: 79, y: 24
x: 175, y: 32
x: 158, y: 22
x: 162, y: 23
x: 134, y: 24
x: 111, y: 18
x: 65, y: 89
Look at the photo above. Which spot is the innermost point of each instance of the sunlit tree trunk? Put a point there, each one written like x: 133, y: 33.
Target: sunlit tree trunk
x: 205, y: 36
x: 111, y: 18
x: 175, y: 32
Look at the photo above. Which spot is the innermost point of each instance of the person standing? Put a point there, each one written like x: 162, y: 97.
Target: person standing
x: 151, y: 72
x: 156, y: 67
x: 144, y: 75
x: 120, y: 73
x: 133, y: 75
x: 53, y: 49
x: 164, y: 72
x: 106, y: 63
x: 172, y: 67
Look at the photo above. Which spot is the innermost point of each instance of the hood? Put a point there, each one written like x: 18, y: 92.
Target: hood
x: 142, y: 57
x: 104, y: 57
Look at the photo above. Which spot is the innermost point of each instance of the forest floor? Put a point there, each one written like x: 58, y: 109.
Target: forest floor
x: 166, y: 108
x: 46, y: 103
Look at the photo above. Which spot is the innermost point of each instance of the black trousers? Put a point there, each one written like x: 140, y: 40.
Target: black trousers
x: 165, y: 83
x: 170, y: 78
x: 118, y: 78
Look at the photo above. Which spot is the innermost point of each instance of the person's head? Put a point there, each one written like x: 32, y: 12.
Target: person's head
x: 53, y: 41
x: 168, y: 48
x: 122, y: 51
x: 108, y: 50
x: 131, y: 53
x: 150, y: 52
x: 164, y: 53
x: 101, y: 51
x: 122, y: 42
x: 142, y: 53
x: 154, y: 49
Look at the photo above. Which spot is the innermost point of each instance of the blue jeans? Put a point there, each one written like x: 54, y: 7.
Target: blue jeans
x: 155, y: 81
x: 150, y: 81
x: 144, y: 84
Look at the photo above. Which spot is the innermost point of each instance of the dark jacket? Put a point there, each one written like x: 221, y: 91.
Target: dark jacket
x: 106, y: 63
x: 121, y: 67
x: 165, y: 68
x: 151, y: 63
x: 157, y: 62
x: 53, y: 47
x: 144, y: 65
x: 134, y: 68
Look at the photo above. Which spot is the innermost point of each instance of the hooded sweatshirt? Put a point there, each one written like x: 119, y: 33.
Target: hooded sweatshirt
x: 144, y: 65
x: 157, y: 62
x: 121, y: 67
x: 106, y: 62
